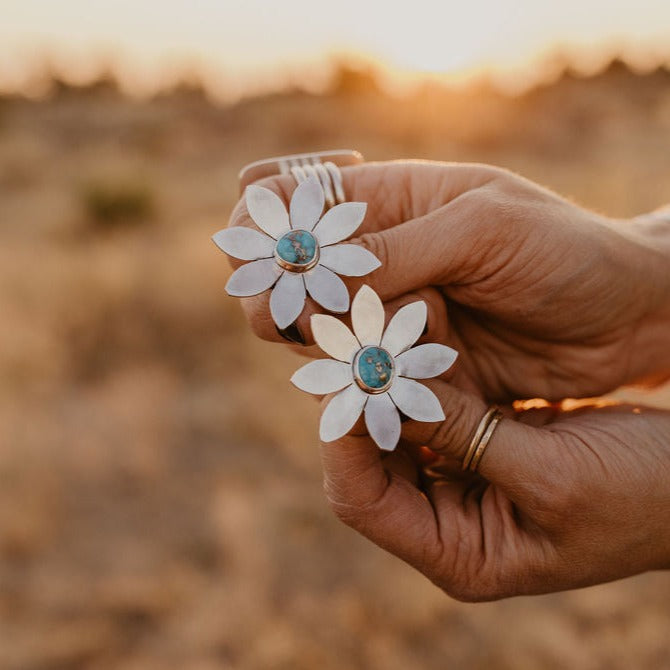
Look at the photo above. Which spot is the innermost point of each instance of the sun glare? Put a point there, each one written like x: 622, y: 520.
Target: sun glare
x: 248, y: 45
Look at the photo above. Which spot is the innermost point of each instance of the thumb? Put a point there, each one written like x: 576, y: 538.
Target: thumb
x: 448, y: 245
x: 518, y: 458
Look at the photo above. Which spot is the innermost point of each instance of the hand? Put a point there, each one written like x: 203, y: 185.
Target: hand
x: 564, y: 500
x: 541, y: 297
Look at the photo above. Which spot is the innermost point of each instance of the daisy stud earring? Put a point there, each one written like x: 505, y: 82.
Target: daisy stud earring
x: 372, y: 371
x: 299, y: 251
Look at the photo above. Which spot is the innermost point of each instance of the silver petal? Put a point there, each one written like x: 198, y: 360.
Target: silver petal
x: 306, y: 204
x: 322, y: 376
x: 405, y: 327
x: 350, y: 260
x: 253, y: 278
x: 340, y: 222
x: 367, y: 316
x: 415, y: 400
x: 382, y: 421
x: 334, y: 337
x: 426, y: 360
x: 244, y: 243
x: 327, y: 289
x: 341, y: 413
x: 267, y: 210
x: 287, y: 299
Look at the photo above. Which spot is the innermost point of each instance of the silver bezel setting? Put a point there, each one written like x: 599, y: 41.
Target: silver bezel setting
x: 298, y: 268
x: 357, y: 378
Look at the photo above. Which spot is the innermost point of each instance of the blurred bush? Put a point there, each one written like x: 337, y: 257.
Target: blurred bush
x: 116, y: 204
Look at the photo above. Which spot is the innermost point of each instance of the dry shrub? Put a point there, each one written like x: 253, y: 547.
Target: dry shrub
x: 111, y: 205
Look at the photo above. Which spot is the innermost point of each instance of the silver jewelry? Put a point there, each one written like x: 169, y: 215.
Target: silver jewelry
x: 373, y: 371
x: 268, y: 167
x: 299, y: 251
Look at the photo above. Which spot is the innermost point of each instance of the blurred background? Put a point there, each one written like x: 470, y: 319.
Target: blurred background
x: 157, y: 507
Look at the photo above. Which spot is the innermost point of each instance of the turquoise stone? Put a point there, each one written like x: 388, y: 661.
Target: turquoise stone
x: 375, y: 367
x: 297, y: 247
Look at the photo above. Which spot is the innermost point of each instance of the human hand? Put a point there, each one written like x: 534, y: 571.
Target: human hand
x: 564, y: 500
x: 541, y: 298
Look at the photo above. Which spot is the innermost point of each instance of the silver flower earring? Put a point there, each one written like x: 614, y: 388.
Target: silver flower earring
x: 374, y: 370
x: 299, y: 251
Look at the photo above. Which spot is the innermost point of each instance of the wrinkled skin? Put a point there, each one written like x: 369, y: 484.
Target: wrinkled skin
x: 542, y: 299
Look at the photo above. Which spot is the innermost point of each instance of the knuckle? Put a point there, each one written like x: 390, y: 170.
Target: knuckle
x: 376, y: 243
x: 282, y: 185
x: 449, y: 433
x: 493, y: 579
x: 436, y: 319
x: 468, y: 590
x: 346, y: 512
x: 485, y: 173
x: 501, y: 205
x: 353, y: 502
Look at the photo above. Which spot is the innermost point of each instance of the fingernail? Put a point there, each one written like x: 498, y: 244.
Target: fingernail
x: 292, y: 334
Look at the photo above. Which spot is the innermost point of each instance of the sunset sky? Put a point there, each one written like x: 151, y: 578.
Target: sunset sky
x: 250, y: 43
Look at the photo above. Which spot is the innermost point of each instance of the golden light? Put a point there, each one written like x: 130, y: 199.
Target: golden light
x: 252, y: 42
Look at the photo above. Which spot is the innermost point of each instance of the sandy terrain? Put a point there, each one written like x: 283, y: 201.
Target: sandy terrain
x: 157, y: 508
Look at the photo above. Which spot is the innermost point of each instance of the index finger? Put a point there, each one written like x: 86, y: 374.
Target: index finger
x: 395, y: 191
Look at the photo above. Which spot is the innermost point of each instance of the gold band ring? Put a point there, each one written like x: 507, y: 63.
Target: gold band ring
x: 478, y: 435
x: 484, y: 442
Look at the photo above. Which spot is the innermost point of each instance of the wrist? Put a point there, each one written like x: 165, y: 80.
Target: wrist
x: 650, y: 348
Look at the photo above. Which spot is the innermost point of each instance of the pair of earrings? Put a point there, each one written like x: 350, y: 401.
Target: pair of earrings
x: 372, y: 370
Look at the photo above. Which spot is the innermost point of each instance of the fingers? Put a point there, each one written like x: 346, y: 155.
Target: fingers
x: 518, y: 457
x: 258, y: 313
x: 394, y: 191
x: 409, y: 226
x: 475, y: 540
x: 403, y: 463
x: 379, y: 503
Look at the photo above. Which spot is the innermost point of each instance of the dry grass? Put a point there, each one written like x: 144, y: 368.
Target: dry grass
x: 151, y: 516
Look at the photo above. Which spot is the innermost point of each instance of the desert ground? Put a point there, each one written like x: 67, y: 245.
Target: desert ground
x: 158, y: 507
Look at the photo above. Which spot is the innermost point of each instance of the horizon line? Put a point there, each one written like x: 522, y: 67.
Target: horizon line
x: 49, y: 69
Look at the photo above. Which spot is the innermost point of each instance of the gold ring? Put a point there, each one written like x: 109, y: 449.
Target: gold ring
x: 479, y: 431
x: 484, y: 442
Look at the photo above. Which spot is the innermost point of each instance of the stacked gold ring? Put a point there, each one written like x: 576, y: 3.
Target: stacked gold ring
x: 481, y: 438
